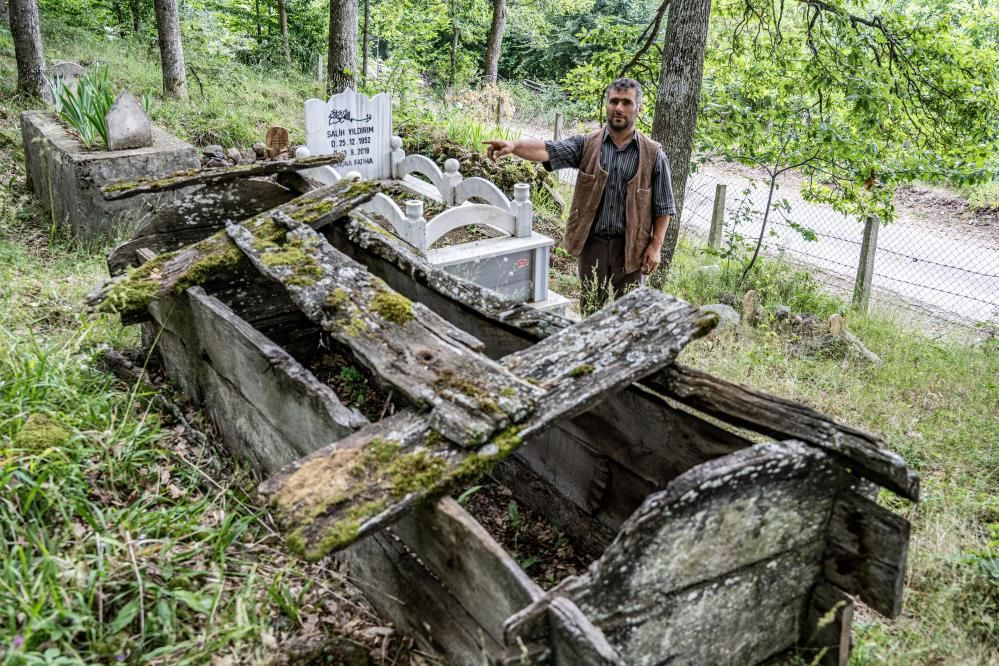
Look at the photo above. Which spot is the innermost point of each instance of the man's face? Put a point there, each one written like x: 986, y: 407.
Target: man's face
x: 622, y: 109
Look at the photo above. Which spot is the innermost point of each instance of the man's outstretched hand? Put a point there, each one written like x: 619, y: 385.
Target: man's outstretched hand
x: 498, y: 148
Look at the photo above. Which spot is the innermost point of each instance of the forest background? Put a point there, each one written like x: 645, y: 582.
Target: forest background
x: 123, y: 540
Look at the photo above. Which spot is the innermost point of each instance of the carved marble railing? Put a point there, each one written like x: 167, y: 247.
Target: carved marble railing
x: 463, y: 200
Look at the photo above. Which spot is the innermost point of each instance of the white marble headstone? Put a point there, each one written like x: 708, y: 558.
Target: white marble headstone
x: 355, y: 125
x: 128, y: 124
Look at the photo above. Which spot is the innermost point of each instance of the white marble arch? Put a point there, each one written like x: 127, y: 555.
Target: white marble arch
x: 483, y: 189
x: 409, y: 226
x: 468, y: 214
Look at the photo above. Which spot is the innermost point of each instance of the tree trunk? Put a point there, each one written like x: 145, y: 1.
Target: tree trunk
x: 259, y: 35
x: 455, y: 34
x: 364, y: 46
x: 135, y: 6
x: 4, y: 16
x: 678, y: 99
x: 342, y: 63
x: 28, y: 48
x: 495, y: 42
x: 171, y: 50
x: 283, y: 17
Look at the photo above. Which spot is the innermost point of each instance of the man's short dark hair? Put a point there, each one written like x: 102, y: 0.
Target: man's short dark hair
x: 624, y: 83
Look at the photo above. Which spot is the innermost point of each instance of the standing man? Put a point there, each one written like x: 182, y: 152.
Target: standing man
x: 623, y: 200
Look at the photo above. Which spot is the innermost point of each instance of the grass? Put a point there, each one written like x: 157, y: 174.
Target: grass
x: 122, y: 539
x: 934, y: 401
x: 983, y: 197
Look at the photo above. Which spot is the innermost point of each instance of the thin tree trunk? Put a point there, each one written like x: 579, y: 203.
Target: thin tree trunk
x: 342, y: 63
x: 455, y: 34
x: 259, y: 35
x: 135, y: 6
x: 495, y: 42
x: 28, y: 48
x: 678, y: 99
x: 364, y: 46
x: 171, y: 49
x: 4, y: 16
x: 283, y: 16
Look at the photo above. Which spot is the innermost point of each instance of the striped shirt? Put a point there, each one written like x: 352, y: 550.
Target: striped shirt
x: 620, y: 165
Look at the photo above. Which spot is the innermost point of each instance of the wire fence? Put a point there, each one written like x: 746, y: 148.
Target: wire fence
x: 922, y: 266
x: 917, y: 265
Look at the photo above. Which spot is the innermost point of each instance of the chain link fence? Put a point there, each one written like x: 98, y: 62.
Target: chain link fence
x: 922, y: 266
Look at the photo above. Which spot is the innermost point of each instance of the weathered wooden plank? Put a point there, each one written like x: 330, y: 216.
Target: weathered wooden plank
x: 361, y: 483
x: 825, y: 636
x: 288, y: 416
x: 589, y: 535
x: 481, y: 576
x: 471, y: 396
x: 556, y: 633
x: 197, y: 216
x: 717, y: 567
x: 406, y: 593
x: 124, y: 189
x: 173, y: 272
x: 505, y: 327
x: 740, y: 405
x: 867, y: 552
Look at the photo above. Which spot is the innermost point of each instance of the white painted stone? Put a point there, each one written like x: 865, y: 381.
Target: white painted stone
x: 355, y: 125
x: 128, y: 124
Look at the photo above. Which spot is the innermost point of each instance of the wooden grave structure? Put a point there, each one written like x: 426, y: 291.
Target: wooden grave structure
x: 709, y: 546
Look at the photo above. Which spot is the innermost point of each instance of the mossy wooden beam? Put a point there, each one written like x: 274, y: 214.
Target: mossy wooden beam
x: 124, y: 189
x: 864, y: 453
x: 129, y: 294
x: 408, y: 347
x: 362, y: 483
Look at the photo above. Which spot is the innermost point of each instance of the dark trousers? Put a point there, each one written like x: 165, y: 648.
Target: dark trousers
x: 602, y: 275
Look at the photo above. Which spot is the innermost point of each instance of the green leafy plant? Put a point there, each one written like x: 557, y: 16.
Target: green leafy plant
x: 86, y: 108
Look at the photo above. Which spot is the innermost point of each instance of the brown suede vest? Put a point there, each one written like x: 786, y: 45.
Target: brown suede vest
x: 589, y: 193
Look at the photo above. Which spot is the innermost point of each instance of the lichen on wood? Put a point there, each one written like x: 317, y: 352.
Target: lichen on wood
x: 123, y: 189
x: 208, y: 259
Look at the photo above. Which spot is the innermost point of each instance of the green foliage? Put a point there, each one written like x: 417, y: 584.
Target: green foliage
x: 86, y: 108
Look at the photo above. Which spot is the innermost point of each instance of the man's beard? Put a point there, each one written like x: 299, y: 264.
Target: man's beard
x: 619, y: 123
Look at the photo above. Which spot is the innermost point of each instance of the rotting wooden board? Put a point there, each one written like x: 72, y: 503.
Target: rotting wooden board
x: 359, y: 484
x: 292, y: 411
x: 720, y: 543
x: 173, y: 272
x: 481, y: 576
x: 399, y: 586
x: 778, y: 417
x: 124, y: 189
x: 504, y: 326
x: 867, y: 552
x: 197, y: 216
x: 471, y: 396
x: 825, y: 635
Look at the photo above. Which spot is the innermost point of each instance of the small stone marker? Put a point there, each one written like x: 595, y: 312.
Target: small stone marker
x: 276, y: 140
x: 727, y: 315
x: 128, y: 124
x: 836, y: 325
x: 355, y: 125
x: 749, y: 302
x: 67, y: 72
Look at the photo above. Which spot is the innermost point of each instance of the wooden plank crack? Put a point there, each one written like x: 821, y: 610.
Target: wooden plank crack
x: 360, y: 484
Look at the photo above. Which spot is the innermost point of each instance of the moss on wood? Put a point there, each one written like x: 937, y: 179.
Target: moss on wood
x: 581, y: 370
x: 393, y: 306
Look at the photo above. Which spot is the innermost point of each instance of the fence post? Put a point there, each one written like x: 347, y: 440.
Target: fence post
x: 558, y: 126
x: 865, y: 268
x: 717, y: 217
